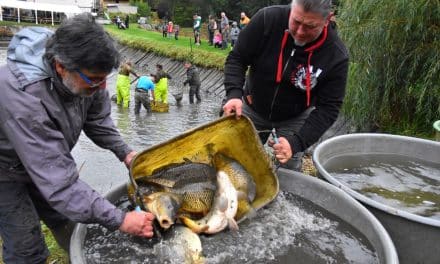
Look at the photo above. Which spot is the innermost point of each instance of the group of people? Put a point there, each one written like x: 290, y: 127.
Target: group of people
x: 288, y: 71
x: 122, y: 24
x: 170, y: 29
x: 153, y: 88
x: 220, y: 34
x: 148, y: 89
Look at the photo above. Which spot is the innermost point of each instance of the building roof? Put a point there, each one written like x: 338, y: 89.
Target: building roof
x: 60, y: 8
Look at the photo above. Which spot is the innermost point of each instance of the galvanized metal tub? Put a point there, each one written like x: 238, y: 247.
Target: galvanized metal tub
x: 416, y: 237
x: 317, y: 191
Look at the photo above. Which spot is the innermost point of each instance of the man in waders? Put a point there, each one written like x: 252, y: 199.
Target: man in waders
x: 123, y: 84
x: 297, y: 75
x: 144, y: 94
x: 193, y: 79
x: 161, y: 89
x: 53, y: 88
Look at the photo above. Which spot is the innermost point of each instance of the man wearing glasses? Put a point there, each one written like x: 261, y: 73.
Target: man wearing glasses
x: 297, y: 75
x: 52, y: 88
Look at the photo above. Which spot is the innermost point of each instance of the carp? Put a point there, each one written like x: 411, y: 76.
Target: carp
x: 197, y: 198
x: 180, y: 245
x: 242, y: 181
x: 177, y: 175
x: 164, y: 206
x: 193, y: 182
x: 222, y: 212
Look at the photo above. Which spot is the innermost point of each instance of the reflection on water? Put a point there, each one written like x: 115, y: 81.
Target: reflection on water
x: 288, y: 229
x: 401, y: 182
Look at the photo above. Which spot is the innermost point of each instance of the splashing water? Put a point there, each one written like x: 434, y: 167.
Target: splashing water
x: 288, y: 228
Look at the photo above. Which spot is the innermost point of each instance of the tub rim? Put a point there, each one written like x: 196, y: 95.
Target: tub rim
x: 386, y: 208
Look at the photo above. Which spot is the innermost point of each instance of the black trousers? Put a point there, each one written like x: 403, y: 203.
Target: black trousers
x: 194, y: 90
x: 211, y: 37
x: 21, y: 208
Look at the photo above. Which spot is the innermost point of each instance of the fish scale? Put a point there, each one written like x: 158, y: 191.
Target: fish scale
x: 195, y: 183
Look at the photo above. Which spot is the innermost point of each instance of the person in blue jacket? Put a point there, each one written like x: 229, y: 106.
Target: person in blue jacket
x: 53, y: 88
x: 143, y: 92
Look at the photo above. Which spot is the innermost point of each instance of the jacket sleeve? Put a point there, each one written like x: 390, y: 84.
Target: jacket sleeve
x: 190, y: 76
x: 99, y: 126
x: 46, y: 157
x: 245, y: 50
x: 329, y: 101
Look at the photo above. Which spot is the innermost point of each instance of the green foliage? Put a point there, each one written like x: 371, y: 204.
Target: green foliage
x: 394, y: 81
x: 183, y: 13
x: 57, y: 254
x: 144, y: 9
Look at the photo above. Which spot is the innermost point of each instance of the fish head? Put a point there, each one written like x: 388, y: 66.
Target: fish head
x: 164, y: 206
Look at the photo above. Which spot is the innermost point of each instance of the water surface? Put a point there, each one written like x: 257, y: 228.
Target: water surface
x: 290, y: 228
x: 402, y: 182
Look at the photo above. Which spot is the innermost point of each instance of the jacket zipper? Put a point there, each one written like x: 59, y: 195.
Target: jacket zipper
x: 278, y: 85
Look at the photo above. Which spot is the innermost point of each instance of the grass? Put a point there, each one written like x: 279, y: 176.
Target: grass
x: 152, y: 41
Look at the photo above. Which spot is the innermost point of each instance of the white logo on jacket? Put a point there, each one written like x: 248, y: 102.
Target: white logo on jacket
x: 298, y: 77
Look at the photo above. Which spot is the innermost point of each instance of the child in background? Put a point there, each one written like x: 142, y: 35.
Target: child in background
x: 235, y: 30
x: 217, y: 39
x: 176, y: 31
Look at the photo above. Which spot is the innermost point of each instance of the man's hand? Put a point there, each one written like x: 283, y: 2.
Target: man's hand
x: 282, y: 150
x: 138, y: 224
x: 233, y: 106
x: 129, y: 158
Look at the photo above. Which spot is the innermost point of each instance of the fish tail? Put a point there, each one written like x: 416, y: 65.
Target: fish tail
x: 193, y: 225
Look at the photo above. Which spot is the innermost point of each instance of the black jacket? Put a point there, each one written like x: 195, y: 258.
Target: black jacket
x: 192, y: 76
x: 259, y: 45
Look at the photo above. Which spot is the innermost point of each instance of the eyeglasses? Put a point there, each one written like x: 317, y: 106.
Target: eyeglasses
x: 92, y: 81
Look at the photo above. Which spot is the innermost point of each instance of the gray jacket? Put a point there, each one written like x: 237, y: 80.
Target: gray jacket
x: 234, y: 33
x: 40, y: 123
x: 192, y: 76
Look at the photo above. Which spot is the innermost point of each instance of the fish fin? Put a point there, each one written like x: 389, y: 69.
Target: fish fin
x: 194, y: 226
x: 242, y: 195
x: 222, y: 203
x: 232, y: 224
x: 251, y: 213
x: 147, y: 199
x: 163, y: 183
x: 199, y: 260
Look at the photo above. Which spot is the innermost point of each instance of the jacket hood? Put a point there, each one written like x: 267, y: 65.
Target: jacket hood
x: 25, y: 55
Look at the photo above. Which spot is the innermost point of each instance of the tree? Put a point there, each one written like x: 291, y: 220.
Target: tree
x: 394, y: 81
x: 143, y: 8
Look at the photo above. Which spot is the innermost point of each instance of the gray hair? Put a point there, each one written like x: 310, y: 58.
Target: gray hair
x: 81, y: 43
x: 323, y: 7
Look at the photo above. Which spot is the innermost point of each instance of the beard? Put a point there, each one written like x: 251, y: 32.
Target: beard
x: 73, y: 86
x: 300, y: 44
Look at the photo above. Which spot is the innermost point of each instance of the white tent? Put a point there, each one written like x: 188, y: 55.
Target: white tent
x: 69, y: 10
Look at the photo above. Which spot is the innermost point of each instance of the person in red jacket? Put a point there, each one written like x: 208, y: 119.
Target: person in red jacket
x: 297, y: 75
